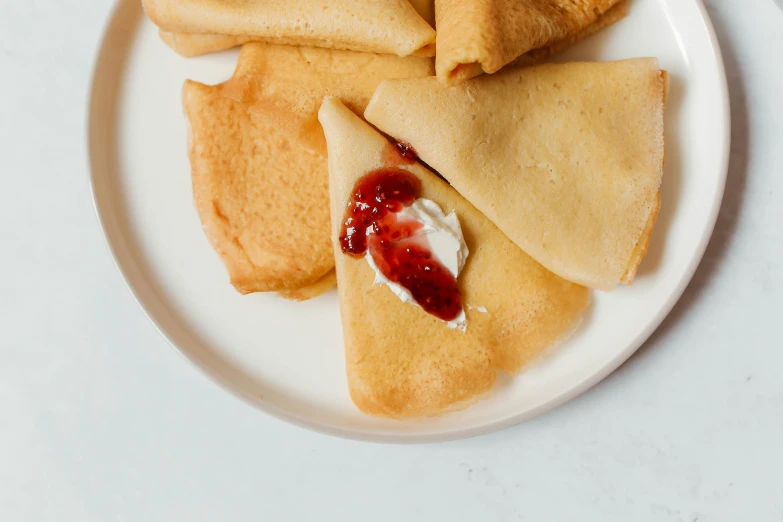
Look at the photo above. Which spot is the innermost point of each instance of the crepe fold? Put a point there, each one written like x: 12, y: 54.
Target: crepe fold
x: 374, y: 26
x: 403, y: 362
x: 481, y: 36
x: 193, y: 44
x: 566, y: 159
x: 258, y: 160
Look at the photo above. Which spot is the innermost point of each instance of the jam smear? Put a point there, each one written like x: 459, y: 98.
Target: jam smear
x: 399, y: 153
x: 400, y: 256
x: 383, y: 191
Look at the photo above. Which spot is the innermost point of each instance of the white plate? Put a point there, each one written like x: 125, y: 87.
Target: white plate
x: 287, y: 358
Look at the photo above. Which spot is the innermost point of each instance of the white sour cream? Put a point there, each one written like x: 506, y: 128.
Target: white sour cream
x: 447, y: 244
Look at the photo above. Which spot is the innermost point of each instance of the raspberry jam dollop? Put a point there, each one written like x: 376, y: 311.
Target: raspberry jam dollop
x: 372, y: 224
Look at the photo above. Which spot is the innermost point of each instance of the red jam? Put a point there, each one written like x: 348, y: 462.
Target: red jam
x: 400, y: 257
x: 399, y: 153
x: 377, y: 194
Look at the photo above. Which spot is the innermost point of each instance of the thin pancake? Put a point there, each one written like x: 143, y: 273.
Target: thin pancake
x: 566, y: 159
x: 403, y: 362
x: 190, y: 45
x: 644, y: 240
x: 426, y: 9
x: 316, y: 289
x: 194, y: 44
x: 376, y: 26
x: 286, y: 84
x: 245, y: 172
x: 258, y: 158
x: 534, y: 56
x: 476, y: 36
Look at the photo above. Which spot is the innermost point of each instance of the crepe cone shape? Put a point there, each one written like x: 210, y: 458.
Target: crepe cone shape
x: 566, y: 159
x: 375, y: 26
x: 258, y: 159
x: 402, y: 361
x: 481, y: 36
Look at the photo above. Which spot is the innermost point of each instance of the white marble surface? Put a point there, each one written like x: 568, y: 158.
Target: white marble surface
x: 101, y: 420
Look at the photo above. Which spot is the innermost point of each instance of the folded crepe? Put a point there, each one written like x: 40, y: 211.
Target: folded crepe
x: 375, y: 26
x: 404, y: 362
x: 476, y: 36
x: 566, y: 159
x: 258, y: 159
x: 426, y: 9
x: 195, y: 44
x: 312, y: 291
x: 191, y: 44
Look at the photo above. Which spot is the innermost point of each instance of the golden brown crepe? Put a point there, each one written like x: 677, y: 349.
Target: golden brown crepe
x: 566, y: 159
x: 534, y: 56
x: 426, y: 9
x: 321, y: 286
x: 476, y: 36
x: 258, y: 158
x: 190, y: 45
x: 193, y: 44
x: 286, y: 84
x: 403, y: 362
x: 375, y: 26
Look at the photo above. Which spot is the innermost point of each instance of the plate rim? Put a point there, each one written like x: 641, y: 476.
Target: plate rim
x: 383, y: 436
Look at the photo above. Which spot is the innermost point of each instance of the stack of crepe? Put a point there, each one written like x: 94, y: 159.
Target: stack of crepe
x: 553, y: 170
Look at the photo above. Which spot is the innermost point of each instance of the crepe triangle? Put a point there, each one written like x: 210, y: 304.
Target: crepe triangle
x: 476, y: 36
x: 566, y: 159
x: 376, y: 26
x: 403, y: 362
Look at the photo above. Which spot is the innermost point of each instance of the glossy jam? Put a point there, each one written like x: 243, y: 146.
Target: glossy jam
x: 399, y: 153
x: 400, y: 256
x: 374, y: 196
